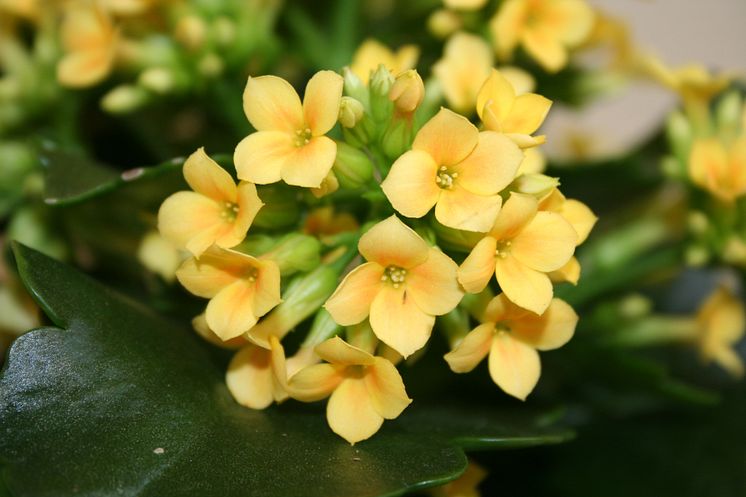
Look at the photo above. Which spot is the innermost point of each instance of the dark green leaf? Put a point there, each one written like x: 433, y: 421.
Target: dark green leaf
x: 122, y: 402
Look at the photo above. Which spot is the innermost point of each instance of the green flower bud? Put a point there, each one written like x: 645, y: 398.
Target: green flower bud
x: 443, y: 23
x: 352, y: 166
x: 635, y: 306
x: 457, y: 240
x: 380, y: 85
x: 697, y: 222
x: 351, y: 112
x: 534, y: 184
x: 281, y: 207
x: 322, y: 328
x: 124, y: 99
x: 397, y: 138
x: 295, y: 252
x: 355, y: 88
x: 158, y: 80
x: 680, y: 135
x: 696, y: 256
x: 729, y: 113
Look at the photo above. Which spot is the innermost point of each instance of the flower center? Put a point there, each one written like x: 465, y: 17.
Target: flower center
x: 302, y: 136
x: 251, y: 274
x: 503, y: 248
x: 230, y: 211
x: 394, y: 275
x: 445, y: 178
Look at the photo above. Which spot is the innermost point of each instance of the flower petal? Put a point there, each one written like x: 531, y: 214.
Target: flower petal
x: 491, y: 166
x: 507, y: 25
x: 392, y: 242
x: 460, y: 209
x: 527, y: 114
x: 569, y: 273
x: 545, y: 48
x: 524, y: 286
x: 206, y: 177
x: 386, y: 388
x: 321, y: 101
x: 231, y: 312
x: 337, y: 351
x: 351, y: 413
x: 398, y: 322
x: 308, y: 165
x: 498, y: 93
x: 314, y: 383
x: 261, y: 156
x: 477, y: 269
x: 410, y: 184
x: 576, y: 19
x: 267, y: 286
x: 580, y: 216
x: 546, y: 243
x: 350, y: 302
x: 433, y: 284
x: 515, y: 214
x: 249, y: 205
x: 708, y: 166
x: 213, y: 271
x: 472, y: 349
x: 448, y: 138
x: 514, y: 366
x: 549, y: 331
x: 272, y: 104
x: 249, y: 377
x: 185, y: 216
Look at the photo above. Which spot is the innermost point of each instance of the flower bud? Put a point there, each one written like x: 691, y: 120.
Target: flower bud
x: 352, y: 167
x: 295, y: 252
x: 124, y: 99
x: 729, y: 113
x: 397, y: 138
x: 211, y: 65
x: 457, y: 240
x: 380, y: 85
x: 354, y: 87
x: 635, y: 306
x: 734, y: 251
x: 407, y: 92
x: 680, y: 135
x: 191, y: 32
x: 224, y: 31
x: 280, y: 208
x: 322, y: 328
x: 351, y: 112
x: 330, y: 184
x: 443, y: 23
x: 696, y: 256
x: 697, y: 222
x: 158, y: 80
x: 534, y: 184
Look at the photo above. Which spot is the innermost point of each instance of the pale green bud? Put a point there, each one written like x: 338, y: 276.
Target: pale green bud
x: 124, y: 99
x: 635, y: 306
x: 158, y: 80
x: 680, y: 135
x: 322, y: 328
x: 280, y: 207
x: 351, y: 112
x: 696, y: 256
x: 534, y: 184
x: 355, y: 88
x: 457, y: 240
x: 295, y: 252
x: 211, y: 65
x: 697, y: 222
x: 224, y: 31
x: 191, y: 31
x: 352, y: 166
x: 397, y: 138
x: 361, y: 336
x: 729, y: 112
x: 443, y: 23
x: 380, y: 85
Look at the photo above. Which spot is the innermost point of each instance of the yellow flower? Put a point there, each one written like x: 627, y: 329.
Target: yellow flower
x: 405, y: 284
x: 523, y: 245
x: 217, y: 211
x: 546, y: 29
x: 501, y: 109
x: 159, y: 255
x: 290, y: 142
x: 719, y: 168
x: 456, y: 169
x: 693, y: 82
x: 372, y: 53
x: 466, y: 484
x: 241, y: 288
x: 199, y: 323
x: 256, y: 376
x: 466, y: 63
x: 511, y: 336
x: 364, y: 389
x: 90, y: 43
x: 721, y: 322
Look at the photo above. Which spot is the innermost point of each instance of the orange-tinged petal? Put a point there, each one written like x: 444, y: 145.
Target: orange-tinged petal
x: 458, y: 208
x: 350, y: 302
x: 351, y: 413
x: 491, y: 166
x: 386, y: 388
x: 545, y: 48
x: 433, y: 284
x: 314, y: 382
x: 186, y: 215
x: 708, y: 166
x: 448, y: 138
x: 337, y: 351
x: 398, y: 322
x: 231, y: 312
x: 261, y: 157
x: 405, y: 58
x: 272, y: 104
x: 205, y: 239
x: 472, y: 349
x: 738, y: 166
x: 524, y: 286
x: 410, y: 185
x: 527, y: 114
x: 501, y: 308
x: 498, y: 93
x: 546, y: 243
x: 514, y: 366
x: 267, y: 285
x: 249, y: 377
x: 213, y: 271
x: 549, y: 331
x: 308, y: 165
x: 477, y: 269
x: 580, y: 216
x: 321, y: 101
x: 515, y: 214
x: 392, y: 242
x: 569, y: 273
x: 206, y: 177
x: 249, y: 205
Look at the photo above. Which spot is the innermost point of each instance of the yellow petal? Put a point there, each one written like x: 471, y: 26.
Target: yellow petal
x: 231, y: 312
x: 405, y: 58
x: 203, y: 240
x: 498, y: 93
x: 569, y: 273
x: 708, y: 166
x: 546, y: 243
x: 472, y: 349
x: 491, y: 166
x: 433, y: 284
x: 392, y: 242
x: 206, y: 177
x: 514, y: 366
x: 308, y: 165
x: 279, y: 370
x: 398, y: 322
x: 524, y: 286
x: 722, y: 320
x: 517, y: 212
x: 738, y: 166
x: 85, y: 68
x: 526, y: 141
x: 350, y: 302
x: 249, y: 377
x: 314, y: 382
x: 369, y: 55
x: 386, y: 388
x: 526, y: 114
x: 410, y: 184
x: 458, y: 208
x: 729, y: 360
x: 534, y: 162
x: 272, y: 104
x: 199, y: 323
x: 448, y: 138
x: 185, y: 216
x: 500, y: 308
x: 580, y: 217
x: 507, y: 26
x: 577, y: 20
x: 351, y: 413
x: 477, y: 269
x: 521, y: 81
x: 249, y: 205
x: 545, y: 48
x: 267, y: 284
x: 337, y: 351
x: 321, y: 101
x: 261, y: 156
x: 213, y: 271
x: 549, y: 331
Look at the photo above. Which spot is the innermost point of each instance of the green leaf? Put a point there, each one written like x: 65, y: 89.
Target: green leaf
x: 122, y: 402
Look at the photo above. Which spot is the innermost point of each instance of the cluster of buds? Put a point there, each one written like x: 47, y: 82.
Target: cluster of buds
x: 373, y: 272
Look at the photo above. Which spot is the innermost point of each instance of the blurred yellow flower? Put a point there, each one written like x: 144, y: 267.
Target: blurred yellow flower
x: 523, y: 245
x: 693, y: 82
x: 466, y: 484
x: 159, y: 255
x: 364, y: 389
x: 721, y: 322
x: 546, y: 29
x: 466, y: 63
x: 290, y: 142
x: 402, y: 287
x: 511, y: 336
x: 255, y: 375
x: 719, y: 168
x: 372, y: 53
x: 455, y: 168
x: 217, y: 211
x: 464, y: 4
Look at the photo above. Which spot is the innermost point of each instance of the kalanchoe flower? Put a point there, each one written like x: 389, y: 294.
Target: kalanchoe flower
x: 241, y: 288
x: 719, y: 169
x: 253, y: 378
x: 455, y: 168
x: 721, y: 323
x: 466, y: 63
x: 402, y: 287
x: 372, y: 53
x: 511, y: 336
x: 290, y: 142
x: 364, y: 389
x: 523, y: 245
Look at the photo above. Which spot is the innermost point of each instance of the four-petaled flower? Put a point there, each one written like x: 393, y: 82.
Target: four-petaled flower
x: 372, y: 53
x: 466, y: 63
x: 402, y: 287
x: 290, y: 142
